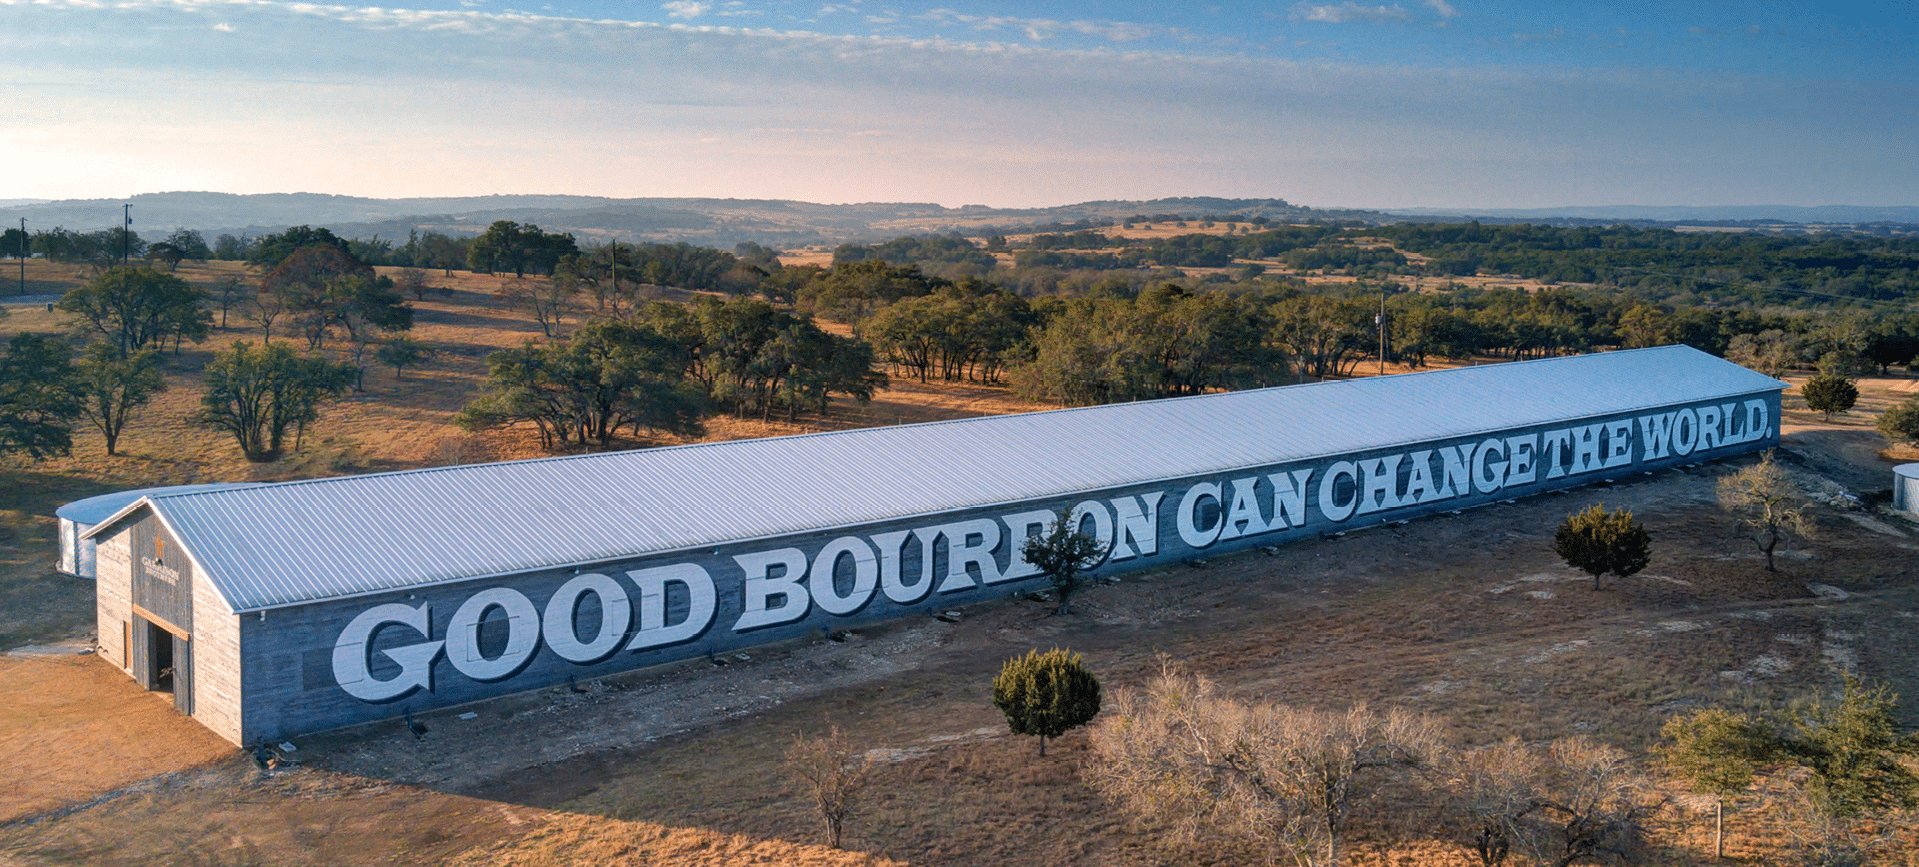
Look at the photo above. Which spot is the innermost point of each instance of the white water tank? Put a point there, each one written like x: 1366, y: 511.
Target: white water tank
x: 1905, y: 489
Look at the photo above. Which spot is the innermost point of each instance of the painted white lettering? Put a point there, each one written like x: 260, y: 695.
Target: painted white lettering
x: 415, y: 660
x: 762, y: 586
x: 1289, y: 498
x: 1585, y: 448
x: 1188, y: 517
x: 1685, y: 432
x: 1489, y: 474
x: 1019, y: 527
x: 1419, y: 480
x: 1095, y: 511
x: 1618, y: 444
x: 522, y: 634
x: 1381, y: 481
x: 866, y: 576
x: 1136, y: 526
x: 1710, y: 435
x: 1329, y: 506
x: 1758, y: 419
x: 701, y: 604
x: 1524, y: 468
x: 1243, y: 517
x: 892, y: 551
x: 963, y: 554
x: 1656, y: 431
x: 1556, y: 454
x: 1456, y: 466
x: 559, y: 623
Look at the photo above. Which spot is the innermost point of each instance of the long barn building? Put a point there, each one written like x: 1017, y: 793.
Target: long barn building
x: 273, y: 610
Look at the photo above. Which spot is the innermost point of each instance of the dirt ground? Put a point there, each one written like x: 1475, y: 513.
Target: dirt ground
x: 1468, y: 618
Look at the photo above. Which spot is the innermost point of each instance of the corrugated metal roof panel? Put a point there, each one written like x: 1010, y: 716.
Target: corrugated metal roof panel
x: 273, y: 545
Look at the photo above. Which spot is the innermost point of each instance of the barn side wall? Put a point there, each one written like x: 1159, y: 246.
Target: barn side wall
x: 216, y: 662
x: 113, y: 589
x: 346, y: 661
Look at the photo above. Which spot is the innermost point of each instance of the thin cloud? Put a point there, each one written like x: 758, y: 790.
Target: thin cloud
x: 685, y: 8
x: 1040, y: 29
x: 1349, y: 11
x: 1443, y: 8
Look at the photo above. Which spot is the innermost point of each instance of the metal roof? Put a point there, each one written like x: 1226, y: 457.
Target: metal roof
x: 93, y: 510
x: 275, y: 545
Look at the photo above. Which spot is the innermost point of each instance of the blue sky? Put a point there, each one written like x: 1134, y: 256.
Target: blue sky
x: 1413, y: 103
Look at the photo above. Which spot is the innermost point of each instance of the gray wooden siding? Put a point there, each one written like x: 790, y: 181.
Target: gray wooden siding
x: 287, y: 660
x: 216, y: 662
x: 162, y: 573
x: 113, y: 597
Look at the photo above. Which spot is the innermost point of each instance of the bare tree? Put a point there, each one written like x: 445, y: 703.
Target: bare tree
x: 230, y: 292
x: 1595, y: 803
x: 267, y: 307
x: 1570, y: 801
x: 830, y: 771
x: 1491, y: 792
x: 412, y: 281
x: 548, y: 300
x: 1285, y: 777
x: 1767, y: 501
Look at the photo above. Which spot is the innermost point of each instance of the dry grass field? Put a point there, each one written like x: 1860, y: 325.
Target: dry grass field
x: 1468, y: 618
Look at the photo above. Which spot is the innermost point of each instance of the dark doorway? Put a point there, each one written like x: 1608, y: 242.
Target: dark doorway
x: 159, y: 658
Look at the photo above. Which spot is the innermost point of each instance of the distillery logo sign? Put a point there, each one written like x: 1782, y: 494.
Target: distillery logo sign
x: 781, y: 586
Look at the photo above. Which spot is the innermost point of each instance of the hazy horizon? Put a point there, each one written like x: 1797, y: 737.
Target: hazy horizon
x: 1416, y: 104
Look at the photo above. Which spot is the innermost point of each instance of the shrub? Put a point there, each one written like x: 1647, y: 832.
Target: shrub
x: 1046, y: 694
x: 1597, y: 542
x: 1829, y: 394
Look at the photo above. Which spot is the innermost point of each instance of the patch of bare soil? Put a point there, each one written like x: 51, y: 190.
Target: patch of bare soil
x: 73, y: 727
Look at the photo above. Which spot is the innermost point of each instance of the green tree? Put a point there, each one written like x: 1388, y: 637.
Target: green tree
x: 14, y: 244
x: 1900, y: 423
x: 401, y: 352
x: 1767, y: 501
x: 314, y: 284
x: 1063, y: 554
x: 190, y: 244
x: 1829, y: 394
x: 1718, y: 753
x: 269, y: 251
x: 605, y: 376
x: 167, y: 254
x: 1853, y: 750
x: 510, y: 246
x: 1597, y: 542
x: 115, y: 386
x: 257, y: 395
x: 39, y: 396
x: 1046, y: 694
x: 137, y: 308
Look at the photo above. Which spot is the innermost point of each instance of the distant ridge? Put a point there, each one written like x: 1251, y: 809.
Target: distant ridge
x: 1845, y: 214
x: 724, y: 222
x: 711, y: 221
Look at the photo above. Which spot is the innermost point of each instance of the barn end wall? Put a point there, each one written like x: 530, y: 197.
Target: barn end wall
x: 346, y: 661
x: 113, y: 597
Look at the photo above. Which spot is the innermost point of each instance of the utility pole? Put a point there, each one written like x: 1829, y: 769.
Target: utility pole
x: 1380, y: 320
x: 23, y: 255
x: 126, y: 237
